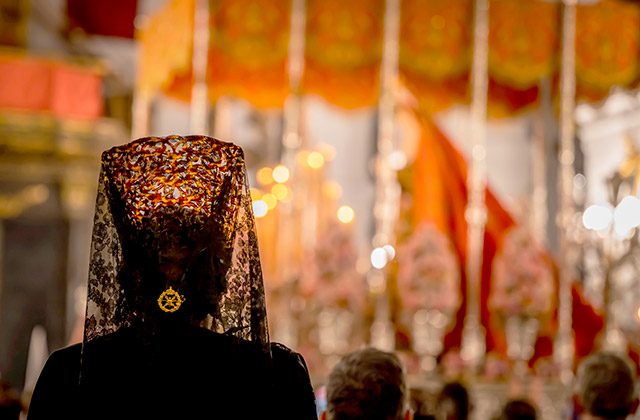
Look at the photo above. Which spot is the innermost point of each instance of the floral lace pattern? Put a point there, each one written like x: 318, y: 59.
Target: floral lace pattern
x: 160, y: 194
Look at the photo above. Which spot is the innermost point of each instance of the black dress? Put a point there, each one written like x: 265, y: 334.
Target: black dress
x: 192, y: 374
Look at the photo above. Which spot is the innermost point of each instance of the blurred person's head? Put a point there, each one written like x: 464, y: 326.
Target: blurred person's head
x: 10, y: 402
x: 368, y: 384
x: 518, y: 409
x: 453, y: 402
x: 605, y: 388
x: 419, y: 403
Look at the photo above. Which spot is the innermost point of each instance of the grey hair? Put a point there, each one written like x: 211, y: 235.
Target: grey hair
x: 605, y: 385
x: 367, y: 384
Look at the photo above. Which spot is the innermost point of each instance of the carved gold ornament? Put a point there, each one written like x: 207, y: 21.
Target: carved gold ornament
x: 170, y: 300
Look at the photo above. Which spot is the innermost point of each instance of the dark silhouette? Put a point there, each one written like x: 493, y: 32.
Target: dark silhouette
x: 176, y: 321
x: 453, y: 402
x: 518, y: 409
x: 10, y: 402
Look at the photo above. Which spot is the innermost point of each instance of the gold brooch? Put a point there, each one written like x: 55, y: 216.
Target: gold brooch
x: 170, y: 300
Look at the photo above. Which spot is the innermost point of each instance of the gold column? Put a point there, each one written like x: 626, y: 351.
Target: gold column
x: 387, y: 189
x: 473, y: 334
x: 199, y: 115
x: 288, y: 226
x: 292, y: 138
x: 564, y: 346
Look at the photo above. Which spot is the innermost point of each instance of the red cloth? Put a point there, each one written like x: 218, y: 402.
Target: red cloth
x: 24, y: 84
x: 440, y: 197
x: 75, y: 92
x: 34, y: 84
x: 103, y: 17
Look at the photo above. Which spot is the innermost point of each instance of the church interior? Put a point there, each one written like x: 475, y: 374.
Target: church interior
x: 453, y: 180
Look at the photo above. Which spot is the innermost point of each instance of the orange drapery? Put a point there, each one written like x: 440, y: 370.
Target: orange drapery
x: 166, y: 41
x: 607, y: 47
x: 435, y: 37
x: 343, y: 51
x: 249, y: 50
x: 519, y: 55
x: 343, y: 48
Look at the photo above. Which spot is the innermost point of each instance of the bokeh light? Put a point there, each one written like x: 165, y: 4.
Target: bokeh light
x: 626, y: 215
x: 390, y: 250
x: 346, y: 214
x: 315, y: 160
x: 265, y: 176
x: 597, y: 217
x: 397, y: 160
x: 270, y: 200
x: 280, y: 191
x: 255, y: 194
x: 260, y: 208
x: 280, y: 174
x: 379, y: 258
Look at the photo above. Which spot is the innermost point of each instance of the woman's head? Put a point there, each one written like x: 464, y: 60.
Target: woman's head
x: 174, y: 239
x: 177, y: 254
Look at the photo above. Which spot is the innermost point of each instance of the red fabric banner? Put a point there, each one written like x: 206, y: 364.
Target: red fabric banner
x: 103, y: 17
x: 62, y: 89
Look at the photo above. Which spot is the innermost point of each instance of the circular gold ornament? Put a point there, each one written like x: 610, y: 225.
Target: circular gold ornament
x: 170, y: 300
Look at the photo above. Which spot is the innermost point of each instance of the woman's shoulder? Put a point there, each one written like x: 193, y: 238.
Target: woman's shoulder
x: 66, y: 357
x: 57, y: 384
x: 62, y: 367
x: 294, y: 396
x: 68, y: 351
x: 287, y: 361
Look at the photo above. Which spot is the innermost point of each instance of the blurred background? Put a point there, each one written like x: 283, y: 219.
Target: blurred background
x: 455, y: 180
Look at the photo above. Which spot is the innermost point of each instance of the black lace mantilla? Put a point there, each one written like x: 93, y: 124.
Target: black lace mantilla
x: 175, y: 212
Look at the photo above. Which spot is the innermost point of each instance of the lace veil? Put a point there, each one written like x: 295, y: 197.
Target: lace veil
x: 174, y: 239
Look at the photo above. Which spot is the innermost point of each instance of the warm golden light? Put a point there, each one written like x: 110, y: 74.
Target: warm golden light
x: 265, y: 176
x: 280, y: 174
x: 346, y: 214
x: 301, y: 157
x: 36, y: 194
x: 255, y: 194
x: 270, y: 200
x: 280, y: 191
x: 315, y: 160
x: 332, y: 190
